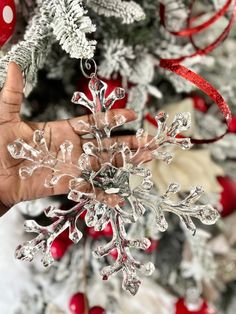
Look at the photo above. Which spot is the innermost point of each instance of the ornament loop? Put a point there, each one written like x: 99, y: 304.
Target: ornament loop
x: 87, y: 65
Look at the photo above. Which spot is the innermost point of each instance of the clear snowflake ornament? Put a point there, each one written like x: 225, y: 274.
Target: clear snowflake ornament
x: 97, y: 170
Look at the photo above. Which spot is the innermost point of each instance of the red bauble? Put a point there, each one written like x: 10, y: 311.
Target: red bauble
x: 83, y: 214
x: 108, y: 232
x: 228, y: 195
x: 64, y: 235
x: 111, y: 85
x: 151, y: 119
x: 180, y: 308
x: 232, y: 126
x: 153, y: 246
x: 60, y: 245
x: 78, y: 304
x: 58, y: 249
x: 7, y: 20
x: 97, y: 310
x: 199, y: 103
x: 94, y: 234
x: 114, y: 254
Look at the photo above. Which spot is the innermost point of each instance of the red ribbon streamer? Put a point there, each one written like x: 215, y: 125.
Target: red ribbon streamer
x: 174, y: 65
x: 206, y: 87
x: 197, y: 29
x: 221, y: 37
x: 214, y: 44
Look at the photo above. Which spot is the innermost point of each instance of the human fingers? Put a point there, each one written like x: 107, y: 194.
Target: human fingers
x: 11, y: 95
x: 82, y: 125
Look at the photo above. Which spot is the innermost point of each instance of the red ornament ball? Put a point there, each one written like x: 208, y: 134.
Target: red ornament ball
x: 180, y: 308
x: 83, y: 214
x: 92, y: 233
x: 111, y: 85
x: 65, y: 235
x: 228, y: 195
x: 58, y: 249
x: 7, y: 20
x: 107, y: 231
x: 153, y: 246
x: 114, y: 254
x: 97, y: 310
x: 60, y: 245
x: 232, y: 126
x: 78, y: 304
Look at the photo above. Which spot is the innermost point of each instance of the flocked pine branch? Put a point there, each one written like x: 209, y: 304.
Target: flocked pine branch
x: 70, y: 26
x: 96, y: 169
x: 177, y: 13
x: 30, y: 53
x: 201, y: 266
x: 127, y: 11
x: 117, y: 58
x: 62, y: 20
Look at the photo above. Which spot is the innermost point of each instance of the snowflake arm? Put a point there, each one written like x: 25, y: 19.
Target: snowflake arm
x: 40, y: 157
x: 125, y: 261
x: 186, y: 209
x: 46, y: 235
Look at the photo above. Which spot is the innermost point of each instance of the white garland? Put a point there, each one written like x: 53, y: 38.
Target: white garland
x: 63, y: 19
x: 127, y: 11
x: 70, y: 26
x: 116, y: 58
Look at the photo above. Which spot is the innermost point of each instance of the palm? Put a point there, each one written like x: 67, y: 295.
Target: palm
x: 33, y: 187
x: 12, y: 188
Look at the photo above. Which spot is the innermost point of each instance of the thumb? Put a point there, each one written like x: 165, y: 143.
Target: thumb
x: 12, y: 94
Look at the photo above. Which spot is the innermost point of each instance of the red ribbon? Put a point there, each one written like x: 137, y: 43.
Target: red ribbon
x: 214, y: 44
x: 196, y: 29
x: 204, y: 86
x: 174, y: 65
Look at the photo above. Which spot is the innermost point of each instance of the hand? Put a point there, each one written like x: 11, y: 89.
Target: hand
x: 12, y: 188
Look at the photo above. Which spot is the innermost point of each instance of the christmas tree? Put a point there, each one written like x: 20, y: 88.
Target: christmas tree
x: 145, y: 220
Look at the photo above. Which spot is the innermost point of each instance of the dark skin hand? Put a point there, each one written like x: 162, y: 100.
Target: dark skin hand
x: 14, y: 190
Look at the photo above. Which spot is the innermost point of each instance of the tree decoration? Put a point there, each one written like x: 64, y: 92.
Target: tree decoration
x: 201, y: 265
x: 232, y: 127
x: 71, y: 31
x: 182, y: 308
x: 153, y: 246
x: 129, y: 50
x: 60, y: 245
x: 97, y: 310
x: 78, y: 303
x: 96, y: 170
x: 228, y: 195
x: 7, y: 20
x: 64, y: 21
x: 127, y: 11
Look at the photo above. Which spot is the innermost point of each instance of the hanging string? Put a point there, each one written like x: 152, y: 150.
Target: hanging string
x: 88, y: 65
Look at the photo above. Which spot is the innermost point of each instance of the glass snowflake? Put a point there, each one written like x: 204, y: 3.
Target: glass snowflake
x: 97, y: 169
